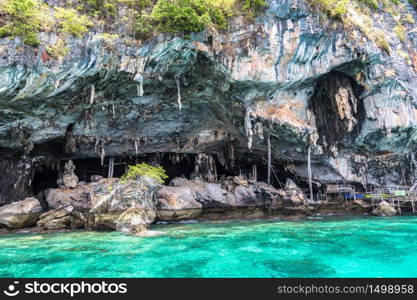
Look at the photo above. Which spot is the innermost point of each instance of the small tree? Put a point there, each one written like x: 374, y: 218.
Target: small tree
x: 143, y: 169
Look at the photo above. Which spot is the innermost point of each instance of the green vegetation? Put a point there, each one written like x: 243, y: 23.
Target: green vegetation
x: 71, y: 22
x: 143, y: 169
x: 194, y: 15
x: 357, y: 14
x: 24, y: 18
x: 57, y: 50
x: 400, y: 32
x: 339, y: 8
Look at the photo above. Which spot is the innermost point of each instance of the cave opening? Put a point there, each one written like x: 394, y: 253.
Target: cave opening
x: 338, y: 109
x: 175, y: 165
x: 43, y: 179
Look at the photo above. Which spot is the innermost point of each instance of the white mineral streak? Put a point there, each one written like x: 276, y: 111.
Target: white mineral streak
x: 248, y: 125
x: 136, y: 147
x: 139, y: 78
x: 92, y: 93
x: 139, y: 75
x: 177, y: 80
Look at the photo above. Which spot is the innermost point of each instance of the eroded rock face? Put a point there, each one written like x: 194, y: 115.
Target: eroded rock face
x: 294, y: 196
x: 230, y: 193
x: 62, y: 218
x: 21, y: 213
x: 384, y: 209
x: 128, y: 207
x: 77, y: 197
x: 177, y: 203
x: 290, y: 76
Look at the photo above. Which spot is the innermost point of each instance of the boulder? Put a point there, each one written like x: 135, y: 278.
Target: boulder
x: 232, y: 192
x: 62, y: 218
x: 77, y: 197
x: 240, y: 180
x: 96, y: 178
x: 384, y: 209
x: 128, y: 207
x: 70, y: 181
x: 135, y: 220
x: 294, y: 195
x: 177, y: 203
x: 21, y: 213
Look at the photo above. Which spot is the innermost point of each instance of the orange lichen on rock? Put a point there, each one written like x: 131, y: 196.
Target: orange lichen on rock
x: 282, y: 113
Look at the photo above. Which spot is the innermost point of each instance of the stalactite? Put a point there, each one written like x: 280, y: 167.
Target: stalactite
x: 139, y: 78
x: 248, y: 126
x: 136, y: 147
x: 205, y: 167
x: 99, y: 149
x: 92, y: 93
x: 177, y: 81
x: 113, y: 111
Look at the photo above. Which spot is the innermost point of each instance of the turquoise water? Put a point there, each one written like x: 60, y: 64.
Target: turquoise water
x: 332, y: 247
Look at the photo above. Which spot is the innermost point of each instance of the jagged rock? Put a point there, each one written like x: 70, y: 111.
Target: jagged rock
x: 135, y: 220
x: 384, y: 209
x: 77, y: 197
x: 240, y: 180
x: 229, y: 194
x: 70, y: 181
x: 177, y: 203
x: 62, y: 218
x: 289, y: 71
x: 69, y: 178
x: 294, y: 195
x: 96, y: 178
x: 21, y: 213
x: 125, y: 206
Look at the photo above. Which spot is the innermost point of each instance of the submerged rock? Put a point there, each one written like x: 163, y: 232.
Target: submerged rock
x: 21, y: 213
x: 384, y: 209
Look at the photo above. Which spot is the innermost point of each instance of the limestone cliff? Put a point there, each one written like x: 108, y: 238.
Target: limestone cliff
x: 210, y: 102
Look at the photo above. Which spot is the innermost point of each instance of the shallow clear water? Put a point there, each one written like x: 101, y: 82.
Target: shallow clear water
x: 332, y: 247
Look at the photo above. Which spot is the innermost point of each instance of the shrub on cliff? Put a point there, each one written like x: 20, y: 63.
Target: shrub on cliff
x: 24, y: 18
x: 143, y: 169
x: 70, y: 22
x: 194, y: 15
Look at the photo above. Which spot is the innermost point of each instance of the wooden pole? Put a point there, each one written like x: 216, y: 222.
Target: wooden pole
x: 255, y: 172
x: 111, y: 167
x: 310, y: 181
x: 269, y: 157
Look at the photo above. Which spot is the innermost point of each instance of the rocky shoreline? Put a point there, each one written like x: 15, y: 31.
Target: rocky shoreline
x: 131, y: 206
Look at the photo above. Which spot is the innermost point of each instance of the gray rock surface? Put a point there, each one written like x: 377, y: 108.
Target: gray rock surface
x: 309, y: 81
x: 384, y: 209
x: 20, y: 214
x: 177, y: 203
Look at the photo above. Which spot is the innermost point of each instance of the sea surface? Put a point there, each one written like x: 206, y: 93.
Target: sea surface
x: 320, y: 247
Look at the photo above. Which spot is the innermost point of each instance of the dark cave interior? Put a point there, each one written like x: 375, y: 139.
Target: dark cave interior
x: 175, y: 164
